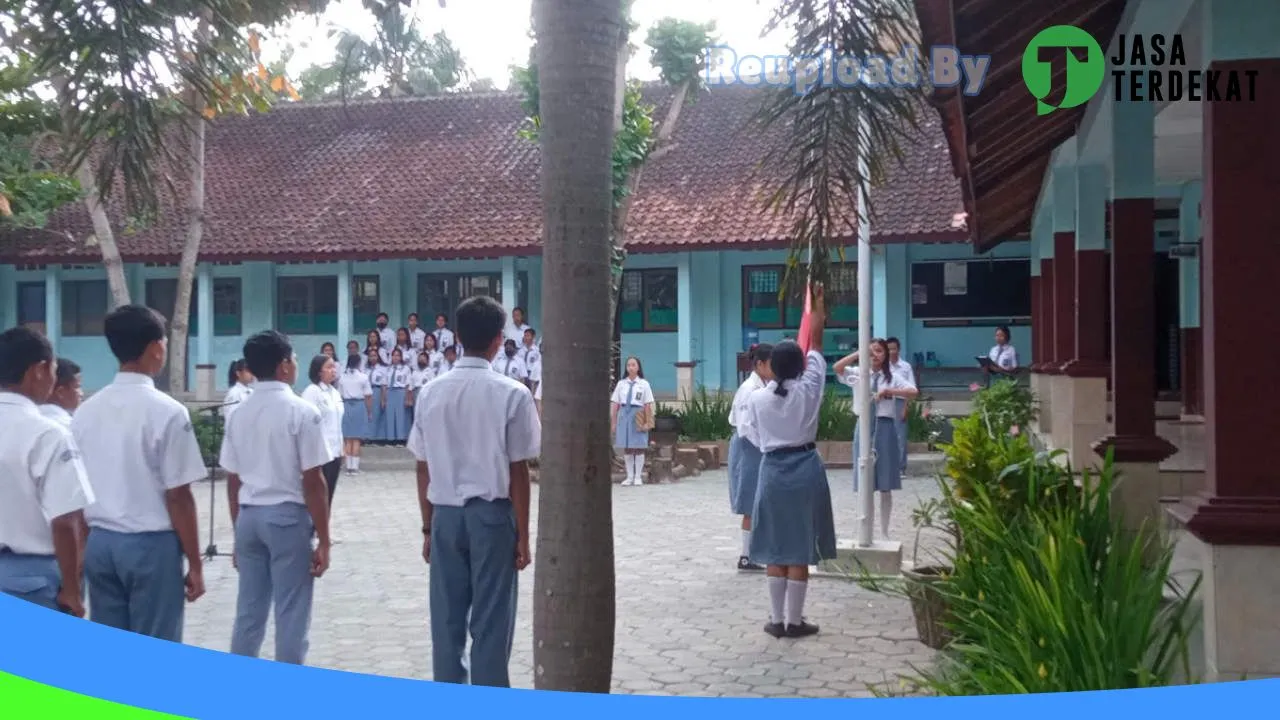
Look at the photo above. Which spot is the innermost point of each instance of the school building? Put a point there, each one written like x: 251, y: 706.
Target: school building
x: 1092, y: 187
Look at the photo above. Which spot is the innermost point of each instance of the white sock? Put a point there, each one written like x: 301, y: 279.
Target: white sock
x: 746, y: 543
x: 639, y: 460
x: 777, y: 598
x: 355, y: 463
x: 795, y: 601
x: 886, y: 510
x: 631, y: 469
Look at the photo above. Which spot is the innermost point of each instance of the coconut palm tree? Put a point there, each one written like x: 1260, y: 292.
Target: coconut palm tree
x: 574, y: 581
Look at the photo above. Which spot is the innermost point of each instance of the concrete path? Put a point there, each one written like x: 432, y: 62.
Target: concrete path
x: 688, y: 622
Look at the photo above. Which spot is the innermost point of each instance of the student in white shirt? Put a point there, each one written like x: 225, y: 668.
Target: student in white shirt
x: 327, y: 350
x: 399, y: 399
x: 273, y: 451
x: 537, y: 397
x: 44, y: 487
x: 516, y: 326
x: 373, y: 342
x: 142, y: 456
x: 531, y: 355
x: 386, y: 335
x: 417, y: 336
x: 886, y: 389
x: 1004, y: 358
x: 901, y: 368
x: 444, y: 336
x: 473, y: 488
x: 66, y: 396
x: 357, y: 413
x: 744, y: 450
x: 380, y: 379
x: 508, y: 363
x: 404, y: 343
x: 239, y: 387
x: 322, y: 393
x: 353, y: 348
x: 631, y: 397
x: 448, y: 359
x: 791, y: 523
x: 434, y: 356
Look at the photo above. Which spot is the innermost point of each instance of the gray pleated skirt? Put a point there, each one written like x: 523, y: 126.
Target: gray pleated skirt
x: 744, y: 475
x: 884, y: 439
x: 792, y: 522
x: 627, y: 436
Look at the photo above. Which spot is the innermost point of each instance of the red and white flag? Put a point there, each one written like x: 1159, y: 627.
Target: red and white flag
x: 803, y: 337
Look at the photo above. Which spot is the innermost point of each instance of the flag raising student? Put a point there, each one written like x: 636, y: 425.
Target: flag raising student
x: 791, y: 523
x: 142, y: 456
x: 273, y: 453
x: 66, y: 396
x: 473, y: 488
x: 44, y: 487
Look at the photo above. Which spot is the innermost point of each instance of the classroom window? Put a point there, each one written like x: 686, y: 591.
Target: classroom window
x: 161, y: 293
x: 307, y: 305
x: 84, y: 307
x: 762, y: 307
x: 366, y: 302
x: 649, y: 301
x: 443, y: 293
x: 966, y: 289
x: 31, y: 307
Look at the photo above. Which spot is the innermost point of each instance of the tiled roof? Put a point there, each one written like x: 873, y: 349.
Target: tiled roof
x: 449, y: 177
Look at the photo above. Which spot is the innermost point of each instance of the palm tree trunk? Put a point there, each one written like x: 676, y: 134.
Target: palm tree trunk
x: 574, y: 578
x: 181, y: 322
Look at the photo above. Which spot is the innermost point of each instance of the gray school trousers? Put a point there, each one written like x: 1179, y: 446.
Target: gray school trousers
x: 34, y: 578
x: 473, y: 572
x: 136, y: 582
x: 273, y: 553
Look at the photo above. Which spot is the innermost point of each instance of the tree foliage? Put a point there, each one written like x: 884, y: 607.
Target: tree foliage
x: 840, y: 139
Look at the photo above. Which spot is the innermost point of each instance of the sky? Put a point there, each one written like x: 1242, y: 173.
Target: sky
x: 492, y: 35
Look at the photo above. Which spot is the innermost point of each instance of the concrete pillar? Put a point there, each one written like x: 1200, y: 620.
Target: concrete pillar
x: 346, y: 308
x: 1042, y: 239
x: 1064, y: 304
x: 9, y: 303
x: 1137, y: 448
x: 684, y: 331
x: 1189, y: 293
x: 510, y: 294
x: 1085, y: 374
x: 1238, y: 518
x: 53, y: 304
x: 206, y: 373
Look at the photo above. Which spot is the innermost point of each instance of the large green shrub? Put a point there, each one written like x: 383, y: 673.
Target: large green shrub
x: 1005, y: 406
x: 705, y: 417
x: 835, y: 417
x: 208, y: 430
x: 923, y: 424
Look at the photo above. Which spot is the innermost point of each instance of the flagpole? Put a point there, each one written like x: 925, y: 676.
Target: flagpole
x: 867, y: 417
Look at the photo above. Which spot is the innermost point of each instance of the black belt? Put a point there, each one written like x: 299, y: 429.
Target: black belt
x: 793, y: 449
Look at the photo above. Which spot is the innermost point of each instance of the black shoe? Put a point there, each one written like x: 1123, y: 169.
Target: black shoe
x: 804, y: 629
x: 744, y: 563
x: 778, y: 630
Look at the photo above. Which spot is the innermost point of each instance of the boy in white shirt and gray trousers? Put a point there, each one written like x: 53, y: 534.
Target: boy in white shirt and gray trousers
x: 473, y: 489
x: 274, y: 450
x: 44, y: 486
x: 142, y: 456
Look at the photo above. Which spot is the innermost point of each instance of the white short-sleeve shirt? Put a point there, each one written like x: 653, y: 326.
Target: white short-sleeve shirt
x: 884, y: 408
x: 380, y: 376
x: 329, y: 402
x: 512, y: 367
x: 271, y: 441
x: 515, y: 332
x: 637, y: 390
x: 537, y: 394
x: 56, y: 413
x: 387, y: 336
x: 401, y: 376
x: 903, y: 368
x: 137, y: 444
x: 1004, y: 356
x: 235, y: 395
x: 417, y: 337
x: 41, y: 476
x: 789, y: 421
x: 422, y: 376
x: 354, y: 385
x: 532, y: 359
x: 444, y: 338
x: 492, y: 423
x: 739, y: 415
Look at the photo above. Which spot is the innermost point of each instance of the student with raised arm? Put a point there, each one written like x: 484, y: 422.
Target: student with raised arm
x: 273, y: 452
x: 473, y: 489
x: 142, y: 455
x: 44, y: 487
x: 792, y: 526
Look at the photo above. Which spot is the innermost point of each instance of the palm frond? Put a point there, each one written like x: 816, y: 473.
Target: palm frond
x: 830, y: 126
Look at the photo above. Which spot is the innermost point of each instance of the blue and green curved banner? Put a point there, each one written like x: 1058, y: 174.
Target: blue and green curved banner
x: 55, y: 666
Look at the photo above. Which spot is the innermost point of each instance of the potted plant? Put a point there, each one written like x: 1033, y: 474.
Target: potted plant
x: 928, y: 602
x: 666, y: 419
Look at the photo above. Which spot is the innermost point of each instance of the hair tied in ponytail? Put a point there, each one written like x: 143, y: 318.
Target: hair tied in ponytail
x: 779, y: 390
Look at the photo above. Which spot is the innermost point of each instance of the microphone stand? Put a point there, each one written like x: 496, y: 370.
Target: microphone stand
x: 214, y: 411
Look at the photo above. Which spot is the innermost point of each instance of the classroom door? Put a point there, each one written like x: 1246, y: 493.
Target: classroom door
x: 1168, y: 359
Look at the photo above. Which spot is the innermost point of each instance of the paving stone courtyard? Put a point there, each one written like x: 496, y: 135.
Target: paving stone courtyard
x: 687, y: 622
